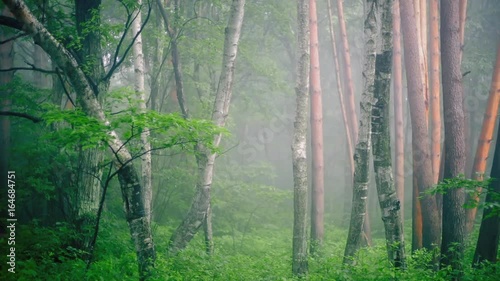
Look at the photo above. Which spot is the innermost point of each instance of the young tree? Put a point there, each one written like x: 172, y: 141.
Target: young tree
x: 205, y: 157
x: 422, y: 167
x: 130, y: 183
x: 452, y: 246
x: 345, y: 117
x: 363, y: 146
x: 381, y: 144
x: 318, y: 178
x: 299, y: 145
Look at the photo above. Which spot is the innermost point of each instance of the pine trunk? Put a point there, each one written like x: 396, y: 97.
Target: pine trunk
x: 318, y: 182
x: 486, y: 136
x: 299, y: 145
x: 422, y: 166
x: 489, y: 232
x: 363, y: 146
x: 452, y: 247
x: 435, y: 89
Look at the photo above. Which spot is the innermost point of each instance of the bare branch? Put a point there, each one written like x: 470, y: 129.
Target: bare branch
x: 22, y: 115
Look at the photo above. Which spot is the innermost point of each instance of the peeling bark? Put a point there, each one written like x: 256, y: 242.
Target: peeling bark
x: 381, y: 144
x: 363, y: 146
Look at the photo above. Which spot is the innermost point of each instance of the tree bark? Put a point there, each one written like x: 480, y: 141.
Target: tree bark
x: 140, y: 91
x: 399, y: 165
x: 381, y: 145
x: 206, y: 158
x: 422, y: 166
x: 299, y: 145
x: 363, y: 146
x: 452, y: 247
x: 132, y: 192
x: 489, y: 231
x: 486, y: 137
x: 462, y: 19
x: 435, y: 89
x: 318, y: 179
x: 89, y: 173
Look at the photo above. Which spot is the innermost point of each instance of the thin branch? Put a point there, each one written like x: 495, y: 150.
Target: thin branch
x: 64, y: 88
x: 13, y: 38
x: 29, y: 68
x: 116, y: 62
x: 22, y: 115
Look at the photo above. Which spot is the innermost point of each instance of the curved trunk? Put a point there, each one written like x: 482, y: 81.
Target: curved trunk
x: 197, y: 214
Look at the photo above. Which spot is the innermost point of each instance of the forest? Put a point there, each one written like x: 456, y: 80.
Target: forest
x: 249, y: 140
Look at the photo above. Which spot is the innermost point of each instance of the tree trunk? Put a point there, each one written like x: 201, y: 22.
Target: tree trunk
x: 90, y: 172
x: 141, y: 94
x: 132, y: 192
x: 462, y: 19
x: 363, y: 146
x: 318, y: 179
x: 7, y: 62
x: 489, y: 232
x: 486, y: 136
x: 345, y: 117
x: 381, y: 145
x: 399, y: 166
x: 299, y: 145
x: 422, y: 167
x: 435, y: 89
x: 206, y: 158
x: 452, y: 247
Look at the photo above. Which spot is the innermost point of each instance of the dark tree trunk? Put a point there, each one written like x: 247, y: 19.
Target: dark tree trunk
x: 452, y: 247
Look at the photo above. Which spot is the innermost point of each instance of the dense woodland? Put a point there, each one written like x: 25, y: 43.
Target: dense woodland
x: 249, y: 140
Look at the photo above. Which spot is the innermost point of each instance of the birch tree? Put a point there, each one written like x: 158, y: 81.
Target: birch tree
x: 141, y: 94
x: 299, y: 145
x: 130, y: 183
x: 205, y: 157
x: 363, y: 146
x: 381, y: 142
